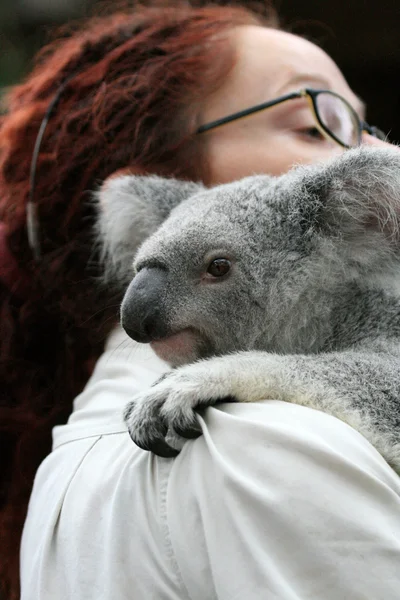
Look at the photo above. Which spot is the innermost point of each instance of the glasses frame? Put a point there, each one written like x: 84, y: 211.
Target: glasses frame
x: 311, y: 95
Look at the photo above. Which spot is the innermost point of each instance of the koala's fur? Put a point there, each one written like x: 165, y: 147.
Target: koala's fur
x: 309, y: 312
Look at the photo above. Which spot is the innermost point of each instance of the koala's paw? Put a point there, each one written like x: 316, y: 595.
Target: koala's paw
x: 171, y: 405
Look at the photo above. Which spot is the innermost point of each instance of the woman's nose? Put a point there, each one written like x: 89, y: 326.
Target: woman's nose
x: 373, y: 141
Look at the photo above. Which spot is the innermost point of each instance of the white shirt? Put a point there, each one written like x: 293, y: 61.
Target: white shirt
x: 275, y: 501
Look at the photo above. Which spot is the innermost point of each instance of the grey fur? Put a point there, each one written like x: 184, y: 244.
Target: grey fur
x: 309, y: 313
x: 130, y: 209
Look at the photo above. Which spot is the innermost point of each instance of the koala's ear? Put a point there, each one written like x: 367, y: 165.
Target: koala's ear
x: 129, y: 209
x: 356, y: 198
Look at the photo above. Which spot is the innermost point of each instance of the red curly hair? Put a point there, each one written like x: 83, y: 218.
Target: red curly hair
x: 135, y: 82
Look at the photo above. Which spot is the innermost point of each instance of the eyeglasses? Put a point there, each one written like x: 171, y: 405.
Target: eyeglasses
x: 334, y: 117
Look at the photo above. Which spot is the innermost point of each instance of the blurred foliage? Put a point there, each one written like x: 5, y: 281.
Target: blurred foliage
x: 24, y: 26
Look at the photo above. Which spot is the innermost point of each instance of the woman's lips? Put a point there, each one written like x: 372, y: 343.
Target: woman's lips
x: 178, y: 348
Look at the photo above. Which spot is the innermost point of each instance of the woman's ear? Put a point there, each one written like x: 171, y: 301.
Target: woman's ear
x: 129, y: 209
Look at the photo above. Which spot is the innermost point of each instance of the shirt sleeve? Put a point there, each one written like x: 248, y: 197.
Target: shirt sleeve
x: 283, y: 502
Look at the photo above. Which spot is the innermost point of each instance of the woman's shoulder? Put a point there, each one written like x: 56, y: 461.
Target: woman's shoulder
x: 274, y: 439
x: 272, y: 496
x: 275, y: 428
x: 288, y: 499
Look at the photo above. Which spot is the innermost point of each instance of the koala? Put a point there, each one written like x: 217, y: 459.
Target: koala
x: 270, y: 287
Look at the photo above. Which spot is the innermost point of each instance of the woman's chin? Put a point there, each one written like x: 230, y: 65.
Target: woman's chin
x: 178, y: 349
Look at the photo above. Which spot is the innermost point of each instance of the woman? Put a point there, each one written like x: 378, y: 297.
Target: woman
x: 274, y: 500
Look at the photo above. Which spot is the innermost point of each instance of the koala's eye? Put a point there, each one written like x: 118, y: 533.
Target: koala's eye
x: 219, y: 267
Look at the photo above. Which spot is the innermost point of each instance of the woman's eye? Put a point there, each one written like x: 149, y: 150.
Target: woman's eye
x: 314, y: 133
x: 219, y: 267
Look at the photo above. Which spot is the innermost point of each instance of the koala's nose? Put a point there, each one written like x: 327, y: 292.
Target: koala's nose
x: 142, y: 313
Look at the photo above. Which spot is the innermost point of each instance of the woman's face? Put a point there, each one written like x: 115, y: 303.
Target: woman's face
x: 269, y: 64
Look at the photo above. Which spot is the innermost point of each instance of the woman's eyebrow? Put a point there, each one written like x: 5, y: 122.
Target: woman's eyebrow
x: 306, y: 80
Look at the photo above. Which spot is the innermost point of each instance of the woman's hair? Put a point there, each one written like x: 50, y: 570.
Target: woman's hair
x: 133, y: 84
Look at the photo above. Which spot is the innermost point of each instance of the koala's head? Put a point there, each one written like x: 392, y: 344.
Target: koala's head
x: 255, y: 264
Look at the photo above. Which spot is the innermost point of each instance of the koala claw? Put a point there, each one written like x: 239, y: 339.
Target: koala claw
x: 170, y: 407
x: 150, y: 435
x: 160, y: 447
x: 190, y: 433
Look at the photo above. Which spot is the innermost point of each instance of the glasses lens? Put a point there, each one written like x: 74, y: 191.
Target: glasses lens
x: 338, y: 118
